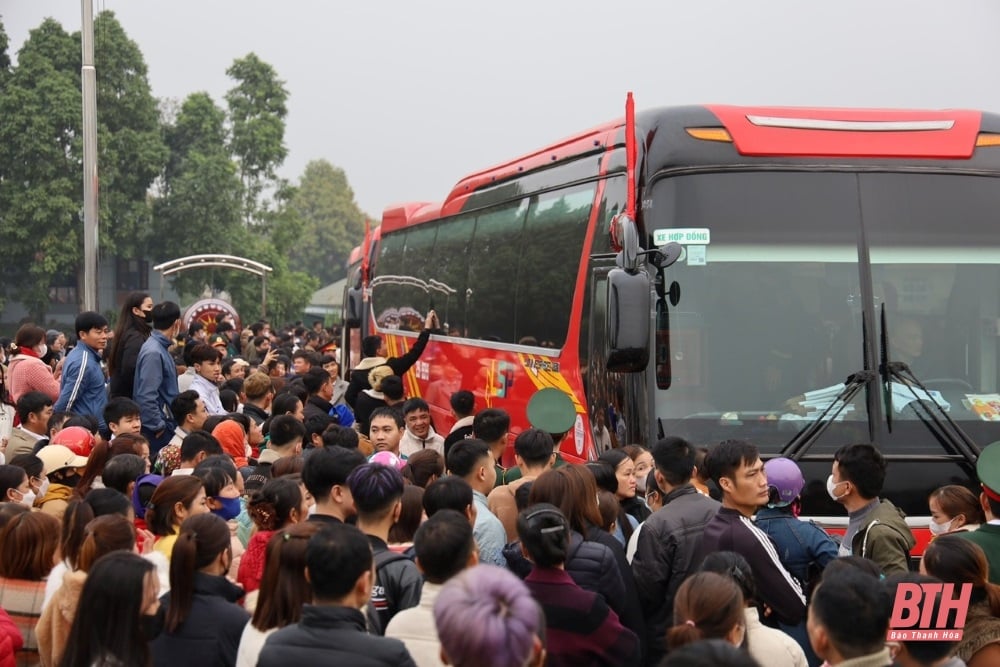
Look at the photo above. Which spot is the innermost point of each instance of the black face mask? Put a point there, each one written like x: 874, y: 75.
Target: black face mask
x: 147, y: 316
x: 151, y: 625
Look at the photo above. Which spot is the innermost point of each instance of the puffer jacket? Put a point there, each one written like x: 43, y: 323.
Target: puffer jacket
x: 11, y: 640
x: 210, y: 635
x: 666, y: 553
x: 329, y: 635
x: 885, y: 539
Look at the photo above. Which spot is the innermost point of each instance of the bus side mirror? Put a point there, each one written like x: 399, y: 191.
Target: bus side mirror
x: 628, y: 321
x: 354, y: 303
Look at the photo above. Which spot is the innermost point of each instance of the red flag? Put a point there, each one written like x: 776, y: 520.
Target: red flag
x: 365, y: 247
x: 630, y: 154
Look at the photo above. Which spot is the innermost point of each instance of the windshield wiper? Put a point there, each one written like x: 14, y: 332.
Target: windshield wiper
x: 947, y: 432
x: 804, y: 439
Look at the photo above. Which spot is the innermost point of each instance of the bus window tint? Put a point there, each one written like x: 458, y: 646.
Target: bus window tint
x: 451, y: 269
x: 493, y: 264
x: 389, y: 291
x: 418, y: 262
x: 556, y: 227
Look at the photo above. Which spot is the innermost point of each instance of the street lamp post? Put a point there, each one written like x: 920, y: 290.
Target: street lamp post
x: 90, y: 233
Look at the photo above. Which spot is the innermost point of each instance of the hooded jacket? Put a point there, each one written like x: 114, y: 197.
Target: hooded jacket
x: 885, y: 539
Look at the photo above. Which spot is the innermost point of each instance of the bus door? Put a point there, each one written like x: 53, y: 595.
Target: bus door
x: 617, y: 402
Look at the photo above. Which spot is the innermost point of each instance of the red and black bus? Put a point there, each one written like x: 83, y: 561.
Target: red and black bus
x: 837, y: 282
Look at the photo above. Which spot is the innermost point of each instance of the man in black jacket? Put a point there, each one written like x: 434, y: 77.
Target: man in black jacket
x: 374, y: 350
x: 378, y: 492
x: 669, y: 544
x: 332, y: 630
x: 736, y: 468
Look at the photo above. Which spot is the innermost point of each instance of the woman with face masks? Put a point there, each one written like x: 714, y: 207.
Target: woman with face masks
x: 954, y: 508
x: 223, y: 498
x: 26, y: 370
x: 135, y: 325
x: 15, y: 486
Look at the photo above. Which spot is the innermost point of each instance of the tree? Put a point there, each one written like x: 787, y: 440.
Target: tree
x: 130, y: 144
x: 40, y: 173
x: 332, y: 223
x: 199, y: 207
x: 257, y: 113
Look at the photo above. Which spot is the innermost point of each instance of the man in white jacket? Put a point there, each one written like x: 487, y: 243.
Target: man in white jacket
x: 444, y: 547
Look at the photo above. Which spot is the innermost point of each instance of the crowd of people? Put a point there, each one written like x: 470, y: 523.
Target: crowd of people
x: 176, y: 496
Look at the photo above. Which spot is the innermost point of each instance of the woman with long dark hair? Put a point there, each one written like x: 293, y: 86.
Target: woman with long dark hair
x: 203, y: 623
x: 596, y: 560
x: 115, y: 619
x: 627, y: 487
x: 283, y: 590
x: 956, y: 560
x: 105, y: 534
x: 134, y: 326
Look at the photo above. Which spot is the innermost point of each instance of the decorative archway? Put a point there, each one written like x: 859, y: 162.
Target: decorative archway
x: 222, y: 261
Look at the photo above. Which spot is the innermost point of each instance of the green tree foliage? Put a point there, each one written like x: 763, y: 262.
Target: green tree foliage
x: 199, y: 207
x: 40, y: 172
x: 4, y: 56
x: 332, y: 223
x: 257, y: 113
x: 130, y: 144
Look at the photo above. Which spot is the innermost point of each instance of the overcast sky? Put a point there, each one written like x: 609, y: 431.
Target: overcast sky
x: 409, y: 96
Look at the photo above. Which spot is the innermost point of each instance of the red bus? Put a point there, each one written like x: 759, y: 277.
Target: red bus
x: 836, y: 282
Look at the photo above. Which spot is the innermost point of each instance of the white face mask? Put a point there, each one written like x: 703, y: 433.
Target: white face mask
x: 940, y: 528
x: 831, y: 488
x: 28, y: 498
x: 42, y: 350
x: 43, y: 488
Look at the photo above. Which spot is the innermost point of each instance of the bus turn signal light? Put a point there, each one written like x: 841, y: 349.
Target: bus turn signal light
x: 710, y: 133
x: 987, y: 139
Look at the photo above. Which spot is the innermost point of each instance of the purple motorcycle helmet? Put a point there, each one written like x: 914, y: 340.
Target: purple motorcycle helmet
x: 784, y: 481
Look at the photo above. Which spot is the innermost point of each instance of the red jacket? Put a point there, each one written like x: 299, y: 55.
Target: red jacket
x: 11, y: 640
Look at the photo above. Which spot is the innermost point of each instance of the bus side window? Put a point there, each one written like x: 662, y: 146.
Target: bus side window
x: 546, y: 279
x: 451, y: 270
x: 493, y: 264
x: 389, y: 295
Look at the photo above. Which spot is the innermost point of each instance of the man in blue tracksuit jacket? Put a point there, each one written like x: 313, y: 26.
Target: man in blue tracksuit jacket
x: 83, y: 389
x: 155, y: 384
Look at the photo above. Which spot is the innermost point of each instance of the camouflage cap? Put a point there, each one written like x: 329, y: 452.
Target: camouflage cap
x: 988, y: 470
x: 551, y: 410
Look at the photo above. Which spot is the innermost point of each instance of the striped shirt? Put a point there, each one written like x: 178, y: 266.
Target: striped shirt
x: 22, y: 600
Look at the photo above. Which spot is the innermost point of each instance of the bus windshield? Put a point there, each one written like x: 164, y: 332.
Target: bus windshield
x: 785, y: 283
